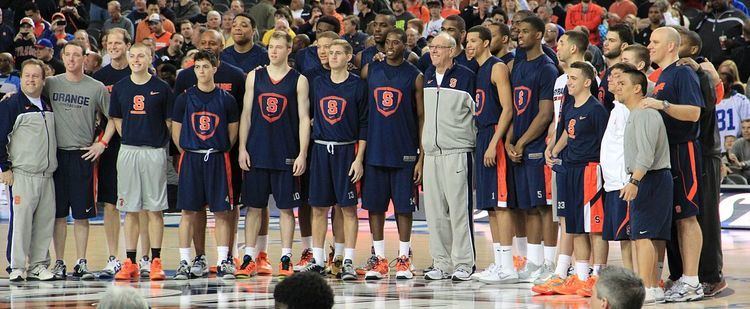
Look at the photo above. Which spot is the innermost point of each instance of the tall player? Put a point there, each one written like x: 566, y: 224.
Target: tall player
x: 339, y: 131
x: 501, y: 45
x: 393, y: 165
x: 382, y: 25
x: 244, y: 53
x: 211, y: 121
x: 677, y: 95
x: 140, y: 109
x: 533, y: 79
x: 274, y: 137
x: 492, y: 116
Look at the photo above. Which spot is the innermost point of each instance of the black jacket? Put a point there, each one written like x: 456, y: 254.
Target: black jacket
x: 711, y: 26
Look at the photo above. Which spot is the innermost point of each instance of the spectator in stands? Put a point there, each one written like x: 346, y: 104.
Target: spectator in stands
x: 730, y: 68
x: 143, y: 30
x: 436, y: 21
x: 185, y: 10
x: 589, y: 15
x: 416, y: 8
x: 498, y: 16
x: 186, y: 29
x: 739, y: 156
x: 545, y: 13
x: 449, y: 8
x: 23, y: 43
x: 226, y: 28
x: 122, y: 297
x: 116, y: 20
x: 10, y: 82
x: 213, y: 21
x: 92, y: 63
x: 656, y: 20
x: 329, y: 9
x: 167, y: 72
x: 474, y: 16
x: 618, y: 288
x: 412, y: 36
x: 301, y: 12
x: 236, y: 7
x: 551, y: 33
x: 75, y: 14
x: 205, y: 6
x: 401, y: 14
x: 45, y: 52
x: 161, y: 37
x: 619, y: 9
x: 281, y: 25
x: 6, y: 35
x: 352, y: 34
x: 719, y: 20
x: 740, y: 51
x: 173, y: 53
x: 366, y: 15
x: 31, y: 10
x: 263, y: 13
x: 303, y: 290
x: 344, y: 7
x: 166, y: 9
x: 83, y: 37
x: 138, y: 12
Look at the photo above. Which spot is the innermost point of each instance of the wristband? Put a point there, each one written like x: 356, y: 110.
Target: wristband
x: 106, y: 145
x: 634, y: 181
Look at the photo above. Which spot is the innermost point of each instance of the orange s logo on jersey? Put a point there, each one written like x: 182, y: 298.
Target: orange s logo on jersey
x: 387, y: 100
x: 479, y: 99
x: 272, y: 106
x: 139, y: 105
x: 521, y: 99
x: 204, y: 124
x: 332, y: 108
x: 453, y: 83
x: 572, y: 128
x: 659, y: 87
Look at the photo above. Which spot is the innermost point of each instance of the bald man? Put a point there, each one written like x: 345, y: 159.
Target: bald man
x: 677, y: 95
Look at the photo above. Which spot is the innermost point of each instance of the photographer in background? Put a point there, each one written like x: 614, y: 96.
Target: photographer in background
x: 23, y: 43
x: 75, y: 14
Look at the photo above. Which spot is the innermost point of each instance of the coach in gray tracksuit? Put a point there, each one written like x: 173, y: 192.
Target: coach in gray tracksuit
x: 27, y: 160
x: 448, y: 140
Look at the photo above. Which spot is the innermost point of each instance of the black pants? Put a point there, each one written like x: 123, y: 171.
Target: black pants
x: 712, y: 259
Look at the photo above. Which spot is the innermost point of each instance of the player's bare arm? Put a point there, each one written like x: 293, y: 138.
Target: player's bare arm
x: 245, y: 119
x: 682, y: 112
x: 305, y: 125
x: 419, y: 98
x: 538, y: 126
x: 500, y: 78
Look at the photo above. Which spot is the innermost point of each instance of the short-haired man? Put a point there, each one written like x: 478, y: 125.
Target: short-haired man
x: 244, y: 54
x: 456, y: 27
x: 448, y: 140
x: 393, y: 166
x: 78, y: 100
x: 274, y: 139
x: 339, y: 131
x: 45, y: 51
x: 648, y: 190
x: 211, y: 120
x: 638, y: 56
x: 140, y: 109
x: 382, y: 25
x: 27, y: 162
x: 158, y: 34
x: 143, y: 29
x: 172, y: 53
x: 116, y: 20
x: 618, y: 288
x: 618, y: 37
x: 352, y: 34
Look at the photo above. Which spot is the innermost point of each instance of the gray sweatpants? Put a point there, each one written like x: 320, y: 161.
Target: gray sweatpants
x: 447, y: 194
x: 32, y: 216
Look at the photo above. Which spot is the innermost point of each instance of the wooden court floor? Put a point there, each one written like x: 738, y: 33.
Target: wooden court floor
x: 258, y: 292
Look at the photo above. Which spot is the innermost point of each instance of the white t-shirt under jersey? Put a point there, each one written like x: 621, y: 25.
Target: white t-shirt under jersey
x: 612, y: 151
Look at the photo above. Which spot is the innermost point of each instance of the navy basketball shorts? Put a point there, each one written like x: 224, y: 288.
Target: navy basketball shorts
x: 531, y: 183
x: 559, y: 204
x: 492, y: 183
x: 616, y: 217
x: 581, y: 189
x: 686, y: 171
x: 260, y: 183
x: 106, y: 173
x: 330, y: 183
x: 205, y: 179
x: 385, y: 184
x: 237, y: 174
x: 650, y: 212
x: 74, y: 185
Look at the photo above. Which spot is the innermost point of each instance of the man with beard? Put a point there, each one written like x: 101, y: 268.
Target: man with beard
x: 618, y: 37
x: 244, y: 54
x: 383, y: 24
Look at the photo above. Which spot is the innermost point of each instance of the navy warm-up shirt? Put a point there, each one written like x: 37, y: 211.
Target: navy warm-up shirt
x: 205, y: 118
x: 606, y: 97
x: 532, y: 81
x: 585, y: 126
x: 227, y: 77
x: 340, y: 109
x: 679, y: 85
x: 255, y: 57
x: 306, y: 60
x: 488, y: 107
x: 144, y: 110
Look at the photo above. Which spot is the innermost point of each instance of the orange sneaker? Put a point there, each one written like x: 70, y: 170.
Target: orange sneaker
x: 403, y: 268
x: 129, y: 271
x: 362, y: 270
x: 264, y: 267
x: 212, y: 269
x: 570, y: 286
x: 588, y: 287
x: 304, y: 259
x: 547, y: 288
x: 379, y: 271
x: 519, y: 262
x: 157, y: 271
x: 247, y: 269
x: 285, y: 266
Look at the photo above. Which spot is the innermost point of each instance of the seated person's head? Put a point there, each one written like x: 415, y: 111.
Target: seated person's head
x: 618, y: 288
x: 122, y: 297
x: 304, y: 290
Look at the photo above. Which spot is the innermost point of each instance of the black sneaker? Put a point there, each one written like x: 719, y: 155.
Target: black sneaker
x: 315, y: 268
x: 81, y: 270
x: 183, y: 271
x: 348, y: 272
x: 60, y: 270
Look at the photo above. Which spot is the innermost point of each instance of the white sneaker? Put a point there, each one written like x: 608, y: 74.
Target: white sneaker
x: 109, y: 271
x: 145, y: 267
x: 462, y: 273
x: 530, y: 273
x: 682, y: 292
x: 659, y: 297
x: 548, y: 272
x: 486, y: 272
x: 500, y: 276
x: 40, y: 273
x: 16, y: 275
x: 436, y: 274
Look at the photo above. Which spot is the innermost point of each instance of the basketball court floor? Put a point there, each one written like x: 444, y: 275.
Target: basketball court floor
x: 257, y: 292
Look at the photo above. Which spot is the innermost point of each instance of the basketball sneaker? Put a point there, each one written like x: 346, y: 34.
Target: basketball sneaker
x: 348, y: 273
x: 404, y: 268
x: 226, y: 270
x: 336, y: 266
x: 60, y: 270
x: 314, y: 268
x: 491, y: 268
x: 39, y: 273
x: 653, y: 296
x: 369, y: 265
x: 548, y: 272
x: 462, y: 273
x: 570, y: 286
x: 16, y: 275
x: 436, y: 274
x: 285, y: 266
x: 547, y: 288
x: 157, y: 271
x: 588, y: 287
x: 713, y: 289
x: 499, y: 275
x: 183, y: 271
x: 264, y: 266
x: 682, y: 292
x: 519, y: 262
x: 329, y: 261
x: 379, y: 271
x: 247, y: 269
x: 128, y: 271
x: 199, y: 268
x: 145, y: 264
x: 109, y: 271
x: 81, y: 270
x: 530, y: 272
x: 304, y: 259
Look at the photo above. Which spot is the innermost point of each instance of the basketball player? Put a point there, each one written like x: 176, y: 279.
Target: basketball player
x: 77, y: 99
x: 27, y: 161
x: 339, y: 131
x: 140, y: 110
x: 618, y: 38
x: 492, y: 116
x: 244, y: 53
x: 501, y: 45
x: 382, y: 25
x: 647, y: 190
x: 638, y: 56
x: 578, y: 175
x: 677, y: 95
x: 211, y: 122
x: 533, y: 79
x: 275, y: 134
x: 393, y: 165
x: 456, y: 27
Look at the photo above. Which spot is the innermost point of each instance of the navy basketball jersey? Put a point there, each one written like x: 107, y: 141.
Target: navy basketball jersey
x: 306, y: 60
x: 679, y: 85
x: 273, y: 140
x: 340, y: 110
x: 109, y: 76
x: 393, y: 134
x: 585, y: 126
x: 257, y: 56
x: 144, y: 110
x: 532, y: 81
x: 605, y: 96
x: 205, y: 119
x: 507, y: 58
x: 488, y: 107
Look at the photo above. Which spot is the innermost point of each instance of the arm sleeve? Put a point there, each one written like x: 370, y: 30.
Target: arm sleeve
x: 178, y: 112
x: 547, y: 77
x: 114, y: 104
x: 7, y: 120
x: 362, y: 109
x: 645, y: 142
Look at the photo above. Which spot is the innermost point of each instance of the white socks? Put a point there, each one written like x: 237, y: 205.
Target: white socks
x: 582, y: 270
x: 563, y: 263
x: 520, y: 243
x: 496, y: 253
x: 306, y: 242
x: 261, y: 243
x: 597, y: 268
x: 286, y: 251
x: 318, y: 256
x: 338, y: 249
x: 349, y: 254
x: 403, y: 248
x: 690, y: 280
x: 185, y: 254
x: 250, y: 251
x: 549, y: 255
x: 506, y: 258
x: 379, y: 246
x: 223, y: 252
x: 535, y: 254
